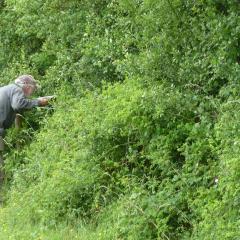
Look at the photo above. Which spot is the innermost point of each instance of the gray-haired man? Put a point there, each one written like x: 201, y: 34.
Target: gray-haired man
x: 13, y: 98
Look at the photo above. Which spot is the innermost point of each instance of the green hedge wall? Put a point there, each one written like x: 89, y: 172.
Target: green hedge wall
x: 144, y: 133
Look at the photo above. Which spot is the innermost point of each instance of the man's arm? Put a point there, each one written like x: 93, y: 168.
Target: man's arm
x: 19, y: 101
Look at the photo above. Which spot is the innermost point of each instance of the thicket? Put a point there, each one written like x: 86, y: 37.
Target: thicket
x: 143, y: 140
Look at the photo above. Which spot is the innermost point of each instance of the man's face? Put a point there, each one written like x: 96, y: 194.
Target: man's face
x: 29, y: 90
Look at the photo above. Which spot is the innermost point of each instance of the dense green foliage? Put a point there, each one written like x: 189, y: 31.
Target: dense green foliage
x: 143, y: 140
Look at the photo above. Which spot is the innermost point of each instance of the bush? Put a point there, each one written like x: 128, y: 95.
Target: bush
x: 147, y: 113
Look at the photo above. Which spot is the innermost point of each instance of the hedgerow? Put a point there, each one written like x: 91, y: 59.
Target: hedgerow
x: 143, y: 136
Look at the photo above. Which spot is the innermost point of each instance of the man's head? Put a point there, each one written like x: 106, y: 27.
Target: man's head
x: 27, y: 83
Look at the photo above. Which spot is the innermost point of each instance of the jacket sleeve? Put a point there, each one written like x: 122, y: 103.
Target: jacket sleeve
x: 19, y: 101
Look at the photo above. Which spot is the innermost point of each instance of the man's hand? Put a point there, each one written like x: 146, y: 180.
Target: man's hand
x: 42, y: 102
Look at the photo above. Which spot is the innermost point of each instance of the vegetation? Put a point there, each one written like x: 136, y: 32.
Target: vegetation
x: 143, y: 140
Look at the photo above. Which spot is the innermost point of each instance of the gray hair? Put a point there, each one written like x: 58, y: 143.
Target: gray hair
x: 25, y: 80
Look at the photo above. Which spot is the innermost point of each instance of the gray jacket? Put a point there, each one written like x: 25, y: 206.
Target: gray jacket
x: 12, y: 100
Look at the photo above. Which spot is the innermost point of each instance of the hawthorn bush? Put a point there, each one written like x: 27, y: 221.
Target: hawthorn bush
x: 144, y: 134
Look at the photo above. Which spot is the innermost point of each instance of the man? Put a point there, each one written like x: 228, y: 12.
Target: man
x: 13, y: 98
